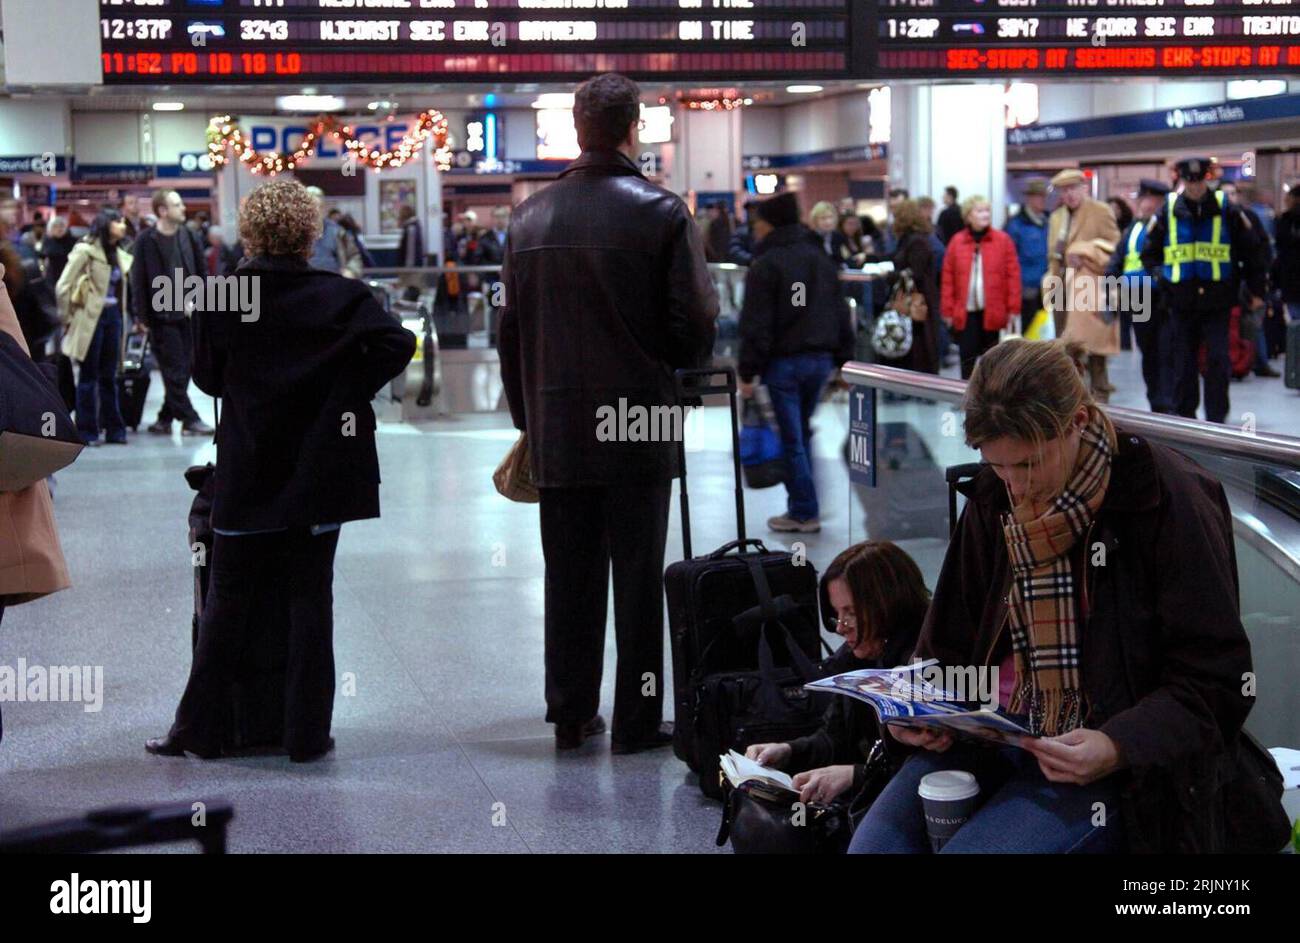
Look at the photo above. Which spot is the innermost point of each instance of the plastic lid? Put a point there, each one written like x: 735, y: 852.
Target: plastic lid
x: 948, y: 785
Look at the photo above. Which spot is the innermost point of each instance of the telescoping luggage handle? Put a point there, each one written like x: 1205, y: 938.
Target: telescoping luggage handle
x: 708, y: 383
x: 953, y: 474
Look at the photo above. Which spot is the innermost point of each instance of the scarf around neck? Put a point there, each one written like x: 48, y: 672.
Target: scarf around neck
x: 1042, y: 602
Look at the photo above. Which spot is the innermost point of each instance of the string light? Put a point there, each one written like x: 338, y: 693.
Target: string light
x: 224, y: 135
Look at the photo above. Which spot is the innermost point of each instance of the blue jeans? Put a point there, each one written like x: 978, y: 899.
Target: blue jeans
x: 1020, y: 811
x: 795, y: 384
x: 99, y: 375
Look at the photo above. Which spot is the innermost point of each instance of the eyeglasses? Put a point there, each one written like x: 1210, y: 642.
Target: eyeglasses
x: 849, y: 622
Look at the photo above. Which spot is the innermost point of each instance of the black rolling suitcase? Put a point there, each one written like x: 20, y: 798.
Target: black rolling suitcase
x: 125, y: 827
x: 133, y: 380
x: 708, y: 595
x: 255, y: 717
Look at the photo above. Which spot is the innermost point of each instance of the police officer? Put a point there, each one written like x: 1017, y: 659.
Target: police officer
x: 1151, y: 325
x: 1199, y: 246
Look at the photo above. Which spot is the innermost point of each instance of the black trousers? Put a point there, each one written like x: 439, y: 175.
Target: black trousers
x: 1155, y: 341
x: 243, y: 569
x: 585, y: 531
x: 173, y: 345
x: 1191, y: 328
x: 972, y: 341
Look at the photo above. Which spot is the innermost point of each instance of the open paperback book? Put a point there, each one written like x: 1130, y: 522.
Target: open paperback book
x: 738, y: 769
x: 902, y: 697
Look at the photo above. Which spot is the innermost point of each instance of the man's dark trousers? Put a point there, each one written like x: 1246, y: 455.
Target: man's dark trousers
x: 1155, y: 341
x: 173, y: 345
x: 584, y: 532
x: 1190, y: 328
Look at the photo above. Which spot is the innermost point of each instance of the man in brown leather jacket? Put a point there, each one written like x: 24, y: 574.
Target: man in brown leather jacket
x: 606, y: 292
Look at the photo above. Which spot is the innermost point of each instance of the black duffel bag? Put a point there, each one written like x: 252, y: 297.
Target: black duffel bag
x: 735, y: 709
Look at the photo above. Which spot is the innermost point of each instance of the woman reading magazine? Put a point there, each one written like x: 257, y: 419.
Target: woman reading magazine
x: 1096, y: 571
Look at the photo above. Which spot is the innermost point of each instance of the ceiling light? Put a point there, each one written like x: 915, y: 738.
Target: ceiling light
x: 803, y: 89
x: 169, y: 106
x: 554, y: 100
x: 309, y: 103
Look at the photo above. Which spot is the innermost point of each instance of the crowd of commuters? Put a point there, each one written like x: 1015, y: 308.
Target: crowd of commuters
x: 607, y: 290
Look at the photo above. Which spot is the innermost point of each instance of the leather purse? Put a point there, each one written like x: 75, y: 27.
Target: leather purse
x: 514, y: 476
x: 758, y: 819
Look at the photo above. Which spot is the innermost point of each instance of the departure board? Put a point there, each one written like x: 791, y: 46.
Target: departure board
x: 295, y: 41
x: 1073, y: 38
x: 267, y: 41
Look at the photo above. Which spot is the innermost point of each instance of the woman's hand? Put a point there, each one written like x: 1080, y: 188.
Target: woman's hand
x: 823, y: 785
x: 924, y: 737
x: 772, y: 755
x: 1080, y: 756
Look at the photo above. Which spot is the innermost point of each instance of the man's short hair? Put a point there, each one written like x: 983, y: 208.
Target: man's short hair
x: 159, y: 200
x: 604, y: 108
x: 898, y: 193
x: 952, y: 192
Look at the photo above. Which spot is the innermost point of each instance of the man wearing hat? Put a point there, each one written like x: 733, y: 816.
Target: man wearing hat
x: 1201, y: 247
x: 1082, y: 234
x: 795, y: 330
x: 1151, y: 325
x: 1028, y: 230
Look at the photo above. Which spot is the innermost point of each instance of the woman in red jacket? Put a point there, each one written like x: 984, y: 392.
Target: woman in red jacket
x: 980, y: 288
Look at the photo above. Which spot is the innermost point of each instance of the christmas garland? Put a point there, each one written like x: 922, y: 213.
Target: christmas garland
x: 224, y: 134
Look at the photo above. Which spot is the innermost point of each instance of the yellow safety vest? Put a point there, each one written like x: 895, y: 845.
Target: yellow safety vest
x: 1196, y: 249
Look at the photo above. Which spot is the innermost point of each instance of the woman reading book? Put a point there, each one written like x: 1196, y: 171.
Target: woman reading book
x: 1096, y: 571
x: 879, y: 598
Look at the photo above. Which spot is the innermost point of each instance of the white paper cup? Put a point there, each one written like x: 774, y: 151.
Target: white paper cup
x: 948, y: 799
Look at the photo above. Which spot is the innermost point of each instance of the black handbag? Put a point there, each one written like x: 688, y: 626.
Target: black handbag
x: 37, y: 436
x: 760, y: 820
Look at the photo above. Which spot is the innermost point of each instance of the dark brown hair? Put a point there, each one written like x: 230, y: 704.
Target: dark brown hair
x: 889, y: 593
x: 603, y: 109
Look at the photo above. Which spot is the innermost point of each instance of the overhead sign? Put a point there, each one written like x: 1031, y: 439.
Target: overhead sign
x: 176, y: 42
x: 842, y: 155
x: 47, y: 165
x: 1278, y: 107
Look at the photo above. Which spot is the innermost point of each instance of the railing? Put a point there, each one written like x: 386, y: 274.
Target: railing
x: 919, y: 434
x: 1223, y: 440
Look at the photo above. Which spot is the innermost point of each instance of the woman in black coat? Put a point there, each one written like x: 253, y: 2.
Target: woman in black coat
x: 879, y: 598
x: 1096, y: 573
x: 914, y: 253
x: 297, y: 362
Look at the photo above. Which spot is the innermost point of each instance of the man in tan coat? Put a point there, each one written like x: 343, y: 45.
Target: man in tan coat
x: 31, y: 559
x: 1081, y: 235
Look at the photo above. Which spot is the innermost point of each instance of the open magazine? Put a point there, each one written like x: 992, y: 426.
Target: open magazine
x: 902, y: 697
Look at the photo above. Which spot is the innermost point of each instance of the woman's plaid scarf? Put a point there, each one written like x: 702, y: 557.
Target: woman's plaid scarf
x: 1044, y: 633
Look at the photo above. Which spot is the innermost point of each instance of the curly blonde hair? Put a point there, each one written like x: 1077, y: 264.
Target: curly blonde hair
x: 279, y: 218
